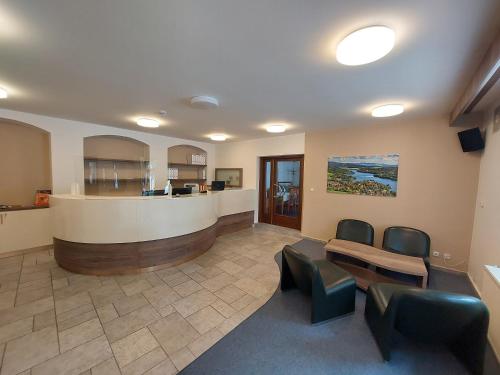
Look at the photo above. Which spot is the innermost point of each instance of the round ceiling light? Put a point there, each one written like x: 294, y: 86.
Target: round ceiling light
x: 3, y: 93
x: 276, y: 128
x: 366, y: 45
x: 148, y: 122
x: 388, y: 110
x: 218, y: 137
x: 204, y: 102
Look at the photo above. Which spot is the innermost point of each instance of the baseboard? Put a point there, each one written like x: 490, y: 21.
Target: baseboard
x: 447, y: 269
x: 312, y: 238
x: 25, y: 251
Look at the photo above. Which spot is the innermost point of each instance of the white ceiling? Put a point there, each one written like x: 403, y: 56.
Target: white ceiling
x: 107, y: 61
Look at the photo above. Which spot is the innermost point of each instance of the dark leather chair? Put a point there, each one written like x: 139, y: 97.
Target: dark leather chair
x: 408, y: 241
x: 333, y: 290
x: 430, y: 316
x: 356, y: 231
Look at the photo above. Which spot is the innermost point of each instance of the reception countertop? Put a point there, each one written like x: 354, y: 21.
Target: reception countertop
x: 102, y: 235
x: 112, y: 219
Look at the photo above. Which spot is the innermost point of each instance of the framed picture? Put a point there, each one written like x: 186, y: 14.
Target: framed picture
x: 375, y: 175
x: 232, y: 176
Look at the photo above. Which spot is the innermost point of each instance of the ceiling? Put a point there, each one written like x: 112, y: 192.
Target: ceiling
x: 111, y: 61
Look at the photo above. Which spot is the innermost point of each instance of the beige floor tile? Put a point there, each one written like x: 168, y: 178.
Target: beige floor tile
x: 107, y: 313
x: 77, y: 335
x: 133, y: 321
x: 182, y: 358
x: 153, y: 279
x: 189, y: 267
x: 205, y: 319
x: 130, y: 303
x: 230, y: 294
x: 197, y: 277
x: 30, y: 295
x: 75, y: 317
x: 223, y: 308
x: 187, y: 288
x: 45, y: 319
x: 30, y: 350
x: 218, y: 282
x: 251, y: 286
x: 30, y: 276
x: 83, y: 285
x: 77, y: 360
x: 16, y: 329
x: 161, y: 296
x: 230, y: 267
x: 108, y: 367
x: 210, y: 271
x: 145, y: 363
x: 194, y: 302
x: 243, y: 302
x: 7, y: 299
x: 135, y: 345
x: 136, y: 287
x: 70, y: 303
x: 231, y: 323
x: 25, y: 311
x: 60, y: 283
x: 204, y: 342
x: 166, y: 310
x: 164, y: 368
x: 173, y: 332
x: 106, y: 294
x: 35, y: 284
x: 176, y: 279
x: 244, y: 262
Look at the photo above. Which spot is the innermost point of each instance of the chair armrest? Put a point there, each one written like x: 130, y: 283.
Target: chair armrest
x: 331, y: 274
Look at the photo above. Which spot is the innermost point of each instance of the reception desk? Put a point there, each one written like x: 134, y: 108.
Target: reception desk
x: 100, y: 235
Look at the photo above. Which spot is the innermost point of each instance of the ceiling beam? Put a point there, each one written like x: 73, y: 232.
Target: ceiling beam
x: 485, y: 76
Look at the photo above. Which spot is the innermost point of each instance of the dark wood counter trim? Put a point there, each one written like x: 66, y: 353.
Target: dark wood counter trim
x: 136, y: 257
x: 22, y: 208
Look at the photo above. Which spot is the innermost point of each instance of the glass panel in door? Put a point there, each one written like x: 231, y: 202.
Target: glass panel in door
x: 287, y: 188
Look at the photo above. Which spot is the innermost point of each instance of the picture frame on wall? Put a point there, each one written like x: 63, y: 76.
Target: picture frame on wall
x: 232, y: 176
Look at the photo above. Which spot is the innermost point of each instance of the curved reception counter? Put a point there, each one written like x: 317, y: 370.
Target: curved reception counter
x: 100, y: 235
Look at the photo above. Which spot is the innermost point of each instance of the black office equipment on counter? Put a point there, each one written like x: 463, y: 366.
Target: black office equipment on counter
x: 218, y: 185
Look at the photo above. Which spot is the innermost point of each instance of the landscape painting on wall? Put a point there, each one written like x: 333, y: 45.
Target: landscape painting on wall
x: 375, y: 175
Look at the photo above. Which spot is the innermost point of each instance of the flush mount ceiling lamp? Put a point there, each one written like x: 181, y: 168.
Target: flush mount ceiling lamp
x: 148, y: 122
x: 366, y: 45
x: 276, y: 127
x: 388, y: 110
x: 218, y: 137
x: 3, y: 93
x: 204, y: 102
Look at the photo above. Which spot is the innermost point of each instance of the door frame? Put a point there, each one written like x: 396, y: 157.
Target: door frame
x: 262, y: 188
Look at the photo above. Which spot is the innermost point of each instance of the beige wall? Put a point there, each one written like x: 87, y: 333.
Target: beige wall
x: 436, y: 188
x: 485, y: 248
x: 25, y: 162
x: 246, y: 154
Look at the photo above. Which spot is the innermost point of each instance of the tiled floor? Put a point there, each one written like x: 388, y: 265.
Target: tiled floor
x: 56, y: 322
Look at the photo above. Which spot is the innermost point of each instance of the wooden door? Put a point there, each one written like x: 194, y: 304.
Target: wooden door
x: 280, y: 195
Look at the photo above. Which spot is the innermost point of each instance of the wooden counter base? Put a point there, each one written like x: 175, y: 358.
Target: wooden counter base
x: 136, y: 257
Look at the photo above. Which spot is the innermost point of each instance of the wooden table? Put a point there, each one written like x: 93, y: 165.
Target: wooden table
x: 379, y: 258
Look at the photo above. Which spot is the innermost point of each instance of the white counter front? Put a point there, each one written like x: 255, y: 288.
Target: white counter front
x: 103, y: 220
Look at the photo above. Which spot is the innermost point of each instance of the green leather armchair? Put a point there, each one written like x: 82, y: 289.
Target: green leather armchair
x: 356, y: 231
x: 429, y: 316
x: 333, y: 290
x: 408, y: 241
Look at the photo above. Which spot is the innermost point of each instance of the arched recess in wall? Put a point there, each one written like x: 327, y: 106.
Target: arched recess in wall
x: 187, y: 165
x: 115, y: 165
x: 25, y: 164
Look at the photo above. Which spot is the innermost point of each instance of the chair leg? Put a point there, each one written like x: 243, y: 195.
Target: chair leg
x: 286, y: 279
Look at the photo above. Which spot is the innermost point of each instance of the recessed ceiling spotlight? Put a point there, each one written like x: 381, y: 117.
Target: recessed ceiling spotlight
x: 388, y: 110
x: 148, y: 122
x: 276, y: 128
x: 204, y: 102
x: 366, y: 45
x: 218, y: 137
x: 3, y: 93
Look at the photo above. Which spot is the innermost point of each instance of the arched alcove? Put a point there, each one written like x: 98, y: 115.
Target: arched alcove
x: 115, y: 165
x: 187, y: 164
x: 25, y: 163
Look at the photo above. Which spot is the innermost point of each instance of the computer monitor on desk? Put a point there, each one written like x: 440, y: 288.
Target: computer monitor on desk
x: 218, y: 185
x: 181, y: 191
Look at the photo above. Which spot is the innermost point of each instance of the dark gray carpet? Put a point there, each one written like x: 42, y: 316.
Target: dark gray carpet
x: 279, y: 339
